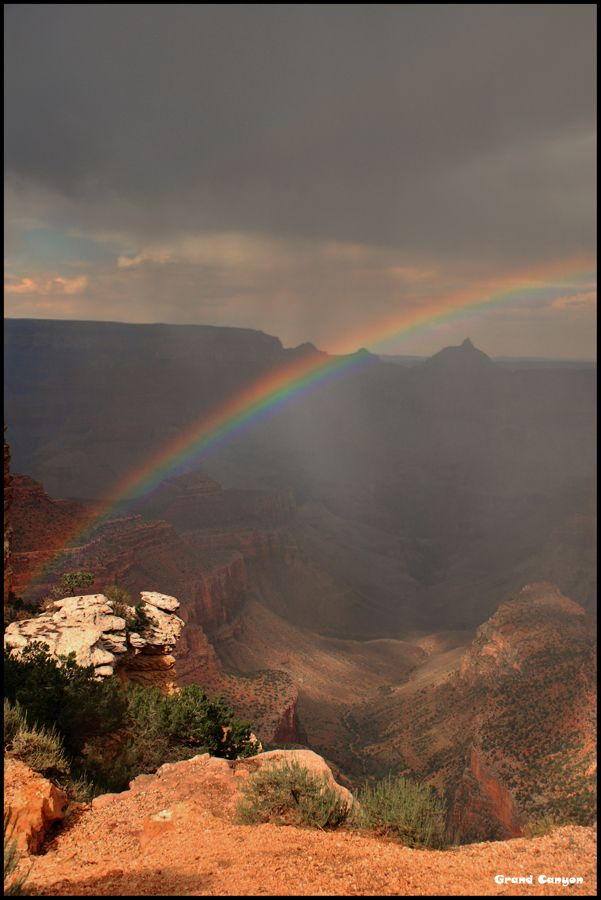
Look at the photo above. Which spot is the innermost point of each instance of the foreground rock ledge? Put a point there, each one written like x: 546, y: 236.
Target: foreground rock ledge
x: 172, y: 834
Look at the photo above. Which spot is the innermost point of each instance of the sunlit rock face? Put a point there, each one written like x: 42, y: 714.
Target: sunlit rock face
x: 87, y: 626
x: 530, y: 673
x: 32, y: 804
x: 506, y: 644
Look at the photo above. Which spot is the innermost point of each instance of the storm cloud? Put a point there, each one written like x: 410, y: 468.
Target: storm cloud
x: 453, y: 139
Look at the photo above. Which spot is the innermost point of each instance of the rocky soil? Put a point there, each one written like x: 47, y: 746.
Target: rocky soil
x: 173, y: 835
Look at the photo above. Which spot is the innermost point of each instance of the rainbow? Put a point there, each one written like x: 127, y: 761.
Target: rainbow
x: 282, y: 387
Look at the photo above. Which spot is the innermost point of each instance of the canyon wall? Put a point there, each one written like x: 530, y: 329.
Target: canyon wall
x: 8, y: 529
x: 506, y: 730
x: 289, y: 729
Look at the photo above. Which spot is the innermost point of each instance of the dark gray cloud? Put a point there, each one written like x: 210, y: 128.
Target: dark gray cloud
x: 459, y: 129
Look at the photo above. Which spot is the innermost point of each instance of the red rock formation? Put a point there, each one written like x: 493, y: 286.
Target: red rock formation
x: 8, y: 530
x: 256, y: 544
x: 484, y: 807
x: 219, y: 594
x: 503, y: 643
x: 215, y: 781
x: 289, y: 729
x: 41, y: 526
x: 274, y: 506
x: 194, y: 501
x: 35, y: 804
x: 196, y: 660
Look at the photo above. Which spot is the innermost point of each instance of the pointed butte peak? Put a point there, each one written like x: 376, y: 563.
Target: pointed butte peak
x: 459, y: 358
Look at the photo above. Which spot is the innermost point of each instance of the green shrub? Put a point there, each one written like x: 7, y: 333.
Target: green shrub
x: 407, y: 812
x: 539, y: 827
x: 125, y: 606
x: 92, y: 737
x: 140, y: 619
x: 167, y: 727
x: 290, y: 795
x: 14, y: 719
x: 122, y: 602
x: 42, y: 750
x: 72, y: 580
x: 62, y: 695
x: 13, y: 606
x: 118, y: 595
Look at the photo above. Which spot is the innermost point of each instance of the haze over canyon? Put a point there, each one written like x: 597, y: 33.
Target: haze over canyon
x: 396, y: 569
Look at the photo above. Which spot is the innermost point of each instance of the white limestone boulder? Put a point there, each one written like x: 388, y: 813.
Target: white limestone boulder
x: 87, y: 625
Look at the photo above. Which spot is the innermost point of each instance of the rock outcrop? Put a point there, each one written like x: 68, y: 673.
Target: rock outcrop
x: 8, y: 530
x: 289, y: 729
x: 483, y: 807
x: 521, y: 625
x: 219, y: 594
x: 33, y: 803
x: 195, y: 658
x: 88, y: 626
x: 41, y: 525
x: 215, y: 782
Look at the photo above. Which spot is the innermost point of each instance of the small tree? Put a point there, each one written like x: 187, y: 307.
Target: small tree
x: 169, y: 727
x: 72, y: 580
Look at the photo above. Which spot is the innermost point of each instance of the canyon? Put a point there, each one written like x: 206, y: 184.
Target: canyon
x: 352, y: 570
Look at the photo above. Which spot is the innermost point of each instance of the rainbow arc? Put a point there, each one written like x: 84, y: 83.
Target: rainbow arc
x: 285, y: 385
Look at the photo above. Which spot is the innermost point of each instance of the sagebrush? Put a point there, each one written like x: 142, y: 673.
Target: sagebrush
x: 288, y: 794
x: 405, y: 811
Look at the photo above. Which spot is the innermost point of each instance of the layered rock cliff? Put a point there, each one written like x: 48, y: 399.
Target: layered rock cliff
x: 483, y: 806
x: 194, y: 501
x: 41, y: 525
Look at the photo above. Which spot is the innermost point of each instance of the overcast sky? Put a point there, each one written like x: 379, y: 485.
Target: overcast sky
x: 348, y: 175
